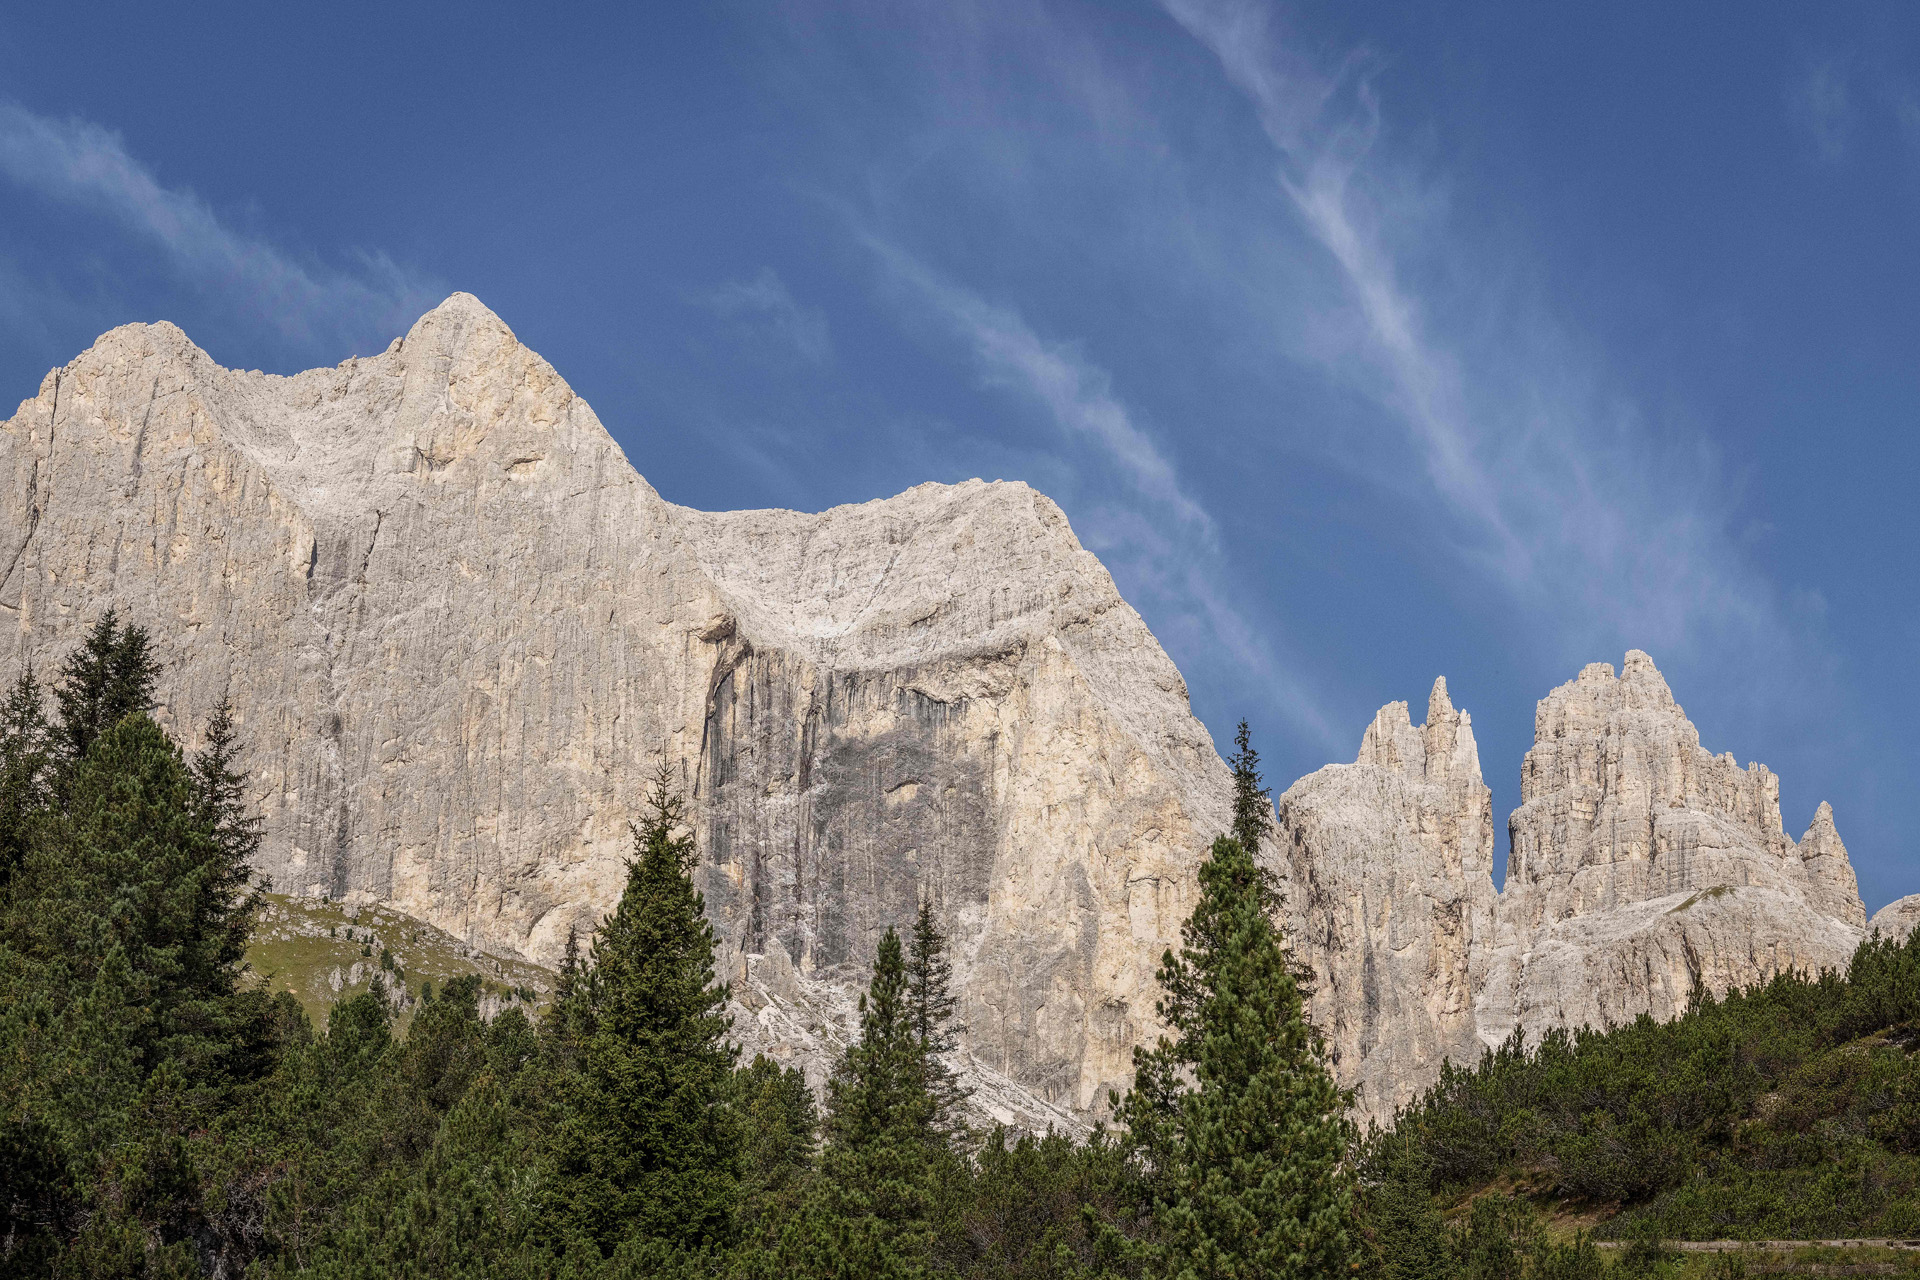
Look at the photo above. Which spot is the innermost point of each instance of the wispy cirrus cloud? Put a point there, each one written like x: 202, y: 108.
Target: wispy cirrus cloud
x: 1555, y: 490
x: 765, y: 302
x: 1820, y: 104
x: 82, y: 164
x: 1167, y: 540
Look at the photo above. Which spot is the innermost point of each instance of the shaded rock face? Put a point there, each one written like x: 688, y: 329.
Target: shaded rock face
x: 1641, y: 865
x: 462, y: 632
x: 1388, y: 863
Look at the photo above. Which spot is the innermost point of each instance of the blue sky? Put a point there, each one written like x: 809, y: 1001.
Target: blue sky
x: 1366, y: 343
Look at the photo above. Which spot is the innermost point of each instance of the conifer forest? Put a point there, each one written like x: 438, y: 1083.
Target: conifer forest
x: 163, y: 1113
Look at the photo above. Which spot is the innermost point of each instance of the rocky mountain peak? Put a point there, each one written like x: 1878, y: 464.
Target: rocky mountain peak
x: 1389, y: 863
x: 1641, y: 864
x: 461, y: 632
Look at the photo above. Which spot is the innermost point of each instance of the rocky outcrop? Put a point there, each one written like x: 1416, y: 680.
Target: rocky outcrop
x: 1642, y: 865
x: 1388, y: 863
x: 1898, y: 919
x: 462, y: 632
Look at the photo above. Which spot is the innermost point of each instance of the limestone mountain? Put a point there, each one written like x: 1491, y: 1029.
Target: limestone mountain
x: 1642, y: 864
x: 461, y: 632
x: 1389, y: 868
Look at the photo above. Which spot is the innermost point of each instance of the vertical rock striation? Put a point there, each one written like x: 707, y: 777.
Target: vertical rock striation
x: 1642, y: 865
x: 462, y: 632
x: 1389, y: 863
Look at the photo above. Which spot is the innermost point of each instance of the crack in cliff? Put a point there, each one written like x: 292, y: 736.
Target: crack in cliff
x: 36, y: 504
x: 140, y: 440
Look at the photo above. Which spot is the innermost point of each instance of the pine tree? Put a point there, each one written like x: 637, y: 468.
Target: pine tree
x: 1245, y: 1161
x: 111, y: 676
x: 930, y: 1006
x: 777, y: 1114
x: 23, y: 771
x: 132, y: 866
x: 649, y: 1150
x: 870, y: 1217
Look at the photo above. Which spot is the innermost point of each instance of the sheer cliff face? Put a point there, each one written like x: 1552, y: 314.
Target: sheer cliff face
x: 462, y: 632
x: 1642, y: 865
x: 1388, y: 862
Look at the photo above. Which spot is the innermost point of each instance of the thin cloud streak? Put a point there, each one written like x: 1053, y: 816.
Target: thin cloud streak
x: 1165, y: 535
x: 79, y: 163
x: 766, y: 297
x: 1563, y: 499
x: 1077, y: 393
x: 1821, y: 107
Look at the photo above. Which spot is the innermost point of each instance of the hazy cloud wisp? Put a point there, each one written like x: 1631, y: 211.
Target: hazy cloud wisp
x: 765, y: 299
x: 79, y: 163
x: 1166, y: 535
x: 1556, y: 492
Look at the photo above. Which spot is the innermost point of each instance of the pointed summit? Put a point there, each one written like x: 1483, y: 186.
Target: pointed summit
x: 1830, y: 873
x: 461, y: 317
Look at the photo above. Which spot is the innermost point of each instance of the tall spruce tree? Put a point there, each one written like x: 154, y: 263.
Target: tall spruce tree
x: 219, y: 803
x: 1239, y: 1124
x: 870, y: 1217
x: 930, y: 1007
x: 111, y: 676
x: 649, y: 1151
x: 1252, y: 803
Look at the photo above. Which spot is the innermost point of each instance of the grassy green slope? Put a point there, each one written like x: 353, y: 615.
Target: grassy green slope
x: 326, y: 952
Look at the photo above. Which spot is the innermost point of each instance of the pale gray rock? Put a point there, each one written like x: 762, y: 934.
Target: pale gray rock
x: 1388, y: 863
x: 1898, y: 919
x: 461, y: 632
x: 1642, y: 865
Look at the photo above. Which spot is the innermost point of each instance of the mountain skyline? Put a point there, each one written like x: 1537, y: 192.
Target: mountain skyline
x: 1362, y: 349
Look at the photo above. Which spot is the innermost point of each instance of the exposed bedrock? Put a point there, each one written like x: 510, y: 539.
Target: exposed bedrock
x: 1898, y: 919
x: 1641, y: 864
x: 1388, y: 863
x: 461, y: 632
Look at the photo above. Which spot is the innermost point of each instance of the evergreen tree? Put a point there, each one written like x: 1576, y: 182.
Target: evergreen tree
x: 871, y: 1215
x: 109, y: 677
x: 930, y: 1006
x: 1241, y: 1126
x: 1252, y: 803
x: 219, y: 803
x: 131, y: 867
x: 1409, y: 1234
x: 649, y: 1151
x: 23, y: 771
x: 777, y: 1113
